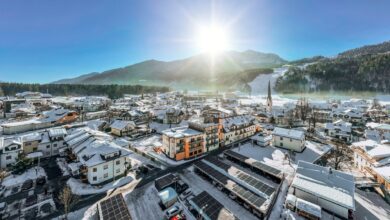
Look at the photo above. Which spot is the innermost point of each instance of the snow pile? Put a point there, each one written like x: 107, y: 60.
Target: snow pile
x: 32, y: 173
x: 61, y: 162
x: 80, y: 188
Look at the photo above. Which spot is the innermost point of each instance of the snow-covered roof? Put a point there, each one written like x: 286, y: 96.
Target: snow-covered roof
x: 180, y: 132
x: 324, y: 182
x: 89, y: 146
x: 289, y: 133
x: 308, y: 207
x: 240, y: 120
x: 121, y: 124
x: 57, y: 132
x: 373, y: 149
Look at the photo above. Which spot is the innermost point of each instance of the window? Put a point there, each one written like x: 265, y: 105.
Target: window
x: 94, y: 178
x: 290, y: 139
x: 9, y: 157
x: 118, y: 170
x: 281, y: 138
x: 117, y: 162
x: 281, y: 144
x: 94, y: 169
x: 54, y: 145
x: 47, y: 146
x: 105, y: 167
x: 105, y: 175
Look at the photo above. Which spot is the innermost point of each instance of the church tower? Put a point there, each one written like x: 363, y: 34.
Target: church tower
x: 269, y: 98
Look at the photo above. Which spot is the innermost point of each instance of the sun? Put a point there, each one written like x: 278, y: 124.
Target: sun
x: 212, y: 39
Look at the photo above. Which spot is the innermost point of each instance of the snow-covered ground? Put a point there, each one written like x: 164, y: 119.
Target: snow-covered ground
x: 87, y: 213
x: 260, y: 84
x: 143, y: 203
x: 198, y: 185
x: 276, y: 156
x: 80, y: 188
x: 16, y: 180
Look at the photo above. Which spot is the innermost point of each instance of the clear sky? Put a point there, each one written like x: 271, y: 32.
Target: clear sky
x: 45, y: 40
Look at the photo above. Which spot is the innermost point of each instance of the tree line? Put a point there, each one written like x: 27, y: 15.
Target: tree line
x: 112, y: 91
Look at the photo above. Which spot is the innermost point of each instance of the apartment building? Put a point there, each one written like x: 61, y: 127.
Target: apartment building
x: 98, y: 158
x: 236, y: 128
x: 49, y: 142
x: 183, y: 143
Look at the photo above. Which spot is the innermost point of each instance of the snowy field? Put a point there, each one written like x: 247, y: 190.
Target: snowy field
x: 276, y: 156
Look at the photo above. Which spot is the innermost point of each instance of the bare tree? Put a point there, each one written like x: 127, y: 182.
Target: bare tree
x: 3, y: 174
x: 302, y: 109
x: 339, y: 155
x: 67, y: 199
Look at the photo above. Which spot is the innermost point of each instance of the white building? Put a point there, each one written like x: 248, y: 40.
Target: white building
x: 98, y: 158
x: 237, y: 128
x: 339, y: 130
x: 262, y: 139
x: 9, y: 151
x: 289, y: 139
x: 49, y: 142
x: 330, y: 189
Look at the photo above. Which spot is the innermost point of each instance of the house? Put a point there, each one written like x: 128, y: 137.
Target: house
x: 96, y: 156
x: 373, y: 159
x: 339, y: 130
x: 330, y: 189
x: 289, y: 139
x: 183, y: 143
x: 236, y: 128
x: 48, y: 142
x: 46, y: 119
x: 173, y: 116
x: 10, y: 150
x: 122, y: 128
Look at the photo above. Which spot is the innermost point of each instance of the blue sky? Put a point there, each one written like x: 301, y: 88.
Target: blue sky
x: 45, y: 40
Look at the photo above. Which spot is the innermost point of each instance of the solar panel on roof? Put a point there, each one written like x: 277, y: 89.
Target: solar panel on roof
x: 114, y: 208
x: 234, y: 187
x: 257, y: 164
x: 251, y: 181
x: 211, y: 207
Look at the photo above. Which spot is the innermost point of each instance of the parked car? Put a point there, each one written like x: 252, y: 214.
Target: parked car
x: 28, y: 184
x: 181, y: 216
x: 175, y: 210
x: 185, y: 194
x: 41, y: 180
x: 187, y: 201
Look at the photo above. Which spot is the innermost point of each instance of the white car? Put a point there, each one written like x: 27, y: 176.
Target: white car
x: 173, y: 211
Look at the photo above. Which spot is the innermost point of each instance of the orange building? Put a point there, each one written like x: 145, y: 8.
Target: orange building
x: 183, y: 143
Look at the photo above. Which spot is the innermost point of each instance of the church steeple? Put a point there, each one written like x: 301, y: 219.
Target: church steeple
x: 269, y: 97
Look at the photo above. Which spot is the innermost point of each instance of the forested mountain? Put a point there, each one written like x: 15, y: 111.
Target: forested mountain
x: 361, y: 69
x: 201, y: 71
x: 112, y: 91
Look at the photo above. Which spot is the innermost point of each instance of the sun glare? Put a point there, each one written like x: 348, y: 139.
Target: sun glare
x: 212, y: 39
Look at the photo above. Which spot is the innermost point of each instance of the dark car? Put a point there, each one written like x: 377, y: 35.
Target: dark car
x: 31, y: 200
x: 28, y: 184
x: 41, y: 180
